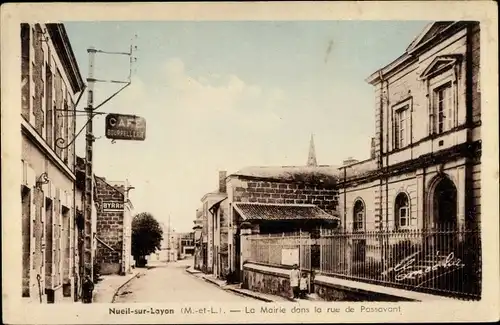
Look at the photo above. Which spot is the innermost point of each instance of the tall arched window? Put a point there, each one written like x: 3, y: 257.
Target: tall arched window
x: 402, y: 211
x: 359, y: 216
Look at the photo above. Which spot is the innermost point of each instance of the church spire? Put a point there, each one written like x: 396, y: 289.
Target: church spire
x: 311, y: 160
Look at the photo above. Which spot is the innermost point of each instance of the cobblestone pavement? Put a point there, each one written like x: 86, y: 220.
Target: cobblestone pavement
x: 171, y: 283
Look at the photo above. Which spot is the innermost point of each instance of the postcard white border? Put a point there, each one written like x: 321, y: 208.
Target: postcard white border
x: 13, y: 14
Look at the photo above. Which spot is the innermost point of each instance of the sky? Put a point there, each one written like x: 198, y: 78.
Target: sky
x: 227, y: 95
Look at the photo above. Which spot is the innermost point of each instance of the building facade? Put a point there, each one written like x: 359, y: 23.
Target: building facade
x: 276, y: 200
x: 426, y: 167
x: 185, y: 244
x: 114, y: 226
x: 198, y: 240
x: 51, y: 84
x: 220, y: 212
x: 210, y: 224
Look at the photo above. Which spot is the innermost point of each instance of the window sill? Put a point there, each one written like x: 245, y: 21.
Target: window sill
x: 432, y: 136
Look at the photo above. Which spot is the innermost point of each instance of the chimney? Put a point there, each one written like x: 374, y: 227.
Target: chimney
x: 222, y: 181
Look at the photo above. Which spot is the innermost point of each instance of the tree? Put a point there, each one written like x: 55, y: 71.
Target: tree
x: 146, y: 237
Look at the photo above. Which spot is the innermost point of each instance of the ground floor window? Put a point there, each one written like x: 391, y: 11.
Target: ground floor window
x: 402, y: 211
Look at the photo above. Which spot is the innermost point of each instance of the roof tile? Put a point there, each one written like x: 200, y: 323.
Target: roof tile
x: 261, y: 211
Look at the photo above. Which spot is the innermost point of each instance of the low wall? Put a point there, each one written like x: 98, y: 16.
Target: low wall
x: 110, y: 268
x: 276, y: 281
x: 331, y: 292
x: 335, y: 289
x: 267, y: 279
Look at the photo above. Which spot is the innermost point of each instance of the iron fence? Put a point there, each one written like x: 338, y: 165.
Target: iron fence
x: 443, y: 260
x: 281, y: 249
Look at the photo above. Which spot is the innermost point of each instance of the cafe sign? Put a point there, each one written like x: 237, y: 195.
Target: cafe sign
x: 125, y: 127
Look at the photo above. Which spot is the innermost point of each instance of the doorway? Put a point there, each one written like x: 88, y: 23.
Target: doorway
x: 445, y: 205
x: 445, y: 215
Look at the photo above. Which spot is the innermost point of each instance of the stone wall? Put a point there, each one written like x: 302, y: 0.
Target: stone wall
x: 270, y: 280
x: 270, y: 191
x: 475, y: 174
x: 109, y: 229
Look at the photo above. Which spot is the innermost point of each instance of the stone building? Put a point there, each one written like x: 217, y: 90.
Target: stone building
x: 426, y: 166
x: 185, y: 244
x: 114, y: 226
x: 51, y: 84
x: 198, y: 240
x: 423, y: 174
x: 279, y: 200
x: 210, y: 226
x: 220, y: 212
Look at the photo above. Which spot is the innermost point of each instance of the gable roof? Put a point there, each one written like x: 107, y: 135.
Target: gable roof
x: 431, y: 33
x: 101, y: 182
x: 427, y: 33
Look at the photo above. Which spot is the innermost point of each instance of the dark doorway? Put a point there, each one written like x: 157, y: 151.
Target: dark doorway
x: 445, y: 216
x: 237, y: 252
x: 445, y: 205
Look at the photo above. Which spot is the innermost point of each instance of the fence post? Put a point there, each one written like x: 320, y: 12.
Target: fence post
x: 320, y: 242
x: 300, y: 249
x: 269, y: 249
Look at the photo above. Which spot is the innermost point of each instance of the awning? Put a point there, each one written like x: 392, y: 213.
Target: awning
x: 264, y: 211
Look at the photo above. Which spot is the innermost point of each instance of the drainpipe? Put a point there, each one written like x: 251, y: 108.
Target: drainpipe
x: 345, y: 198
x: 381, y: 138
x: 387, y: 159
x: 380, y: 161
x: 74, y: 232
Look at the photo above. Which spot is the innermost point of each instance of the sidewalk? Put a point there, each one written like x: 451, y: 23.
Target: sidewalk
x: 236, y: 287
x: 105, y: 290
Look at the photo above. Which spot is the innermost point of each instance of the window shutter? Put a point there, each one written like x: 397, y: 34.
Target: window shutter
x: 57, y: 238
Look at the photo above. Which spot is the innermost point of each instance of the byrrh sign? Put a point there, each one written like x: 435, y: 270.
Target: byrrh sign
x: 125, y: 127
x: 112, y: 206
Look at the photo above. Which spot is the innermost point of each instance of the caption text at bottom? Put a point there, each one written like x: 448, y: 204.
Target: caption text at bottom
x: 255, y: 310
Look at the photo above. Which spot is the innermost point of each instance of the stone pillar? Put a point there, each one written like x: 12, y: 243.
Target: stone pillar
x: 245, y: 247
x: 461, y: 193
x: 420, y: 198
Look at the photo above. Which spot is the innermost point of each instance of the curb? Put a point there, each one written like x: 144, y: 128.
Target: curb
x: 123, y: 284
x: 242, y: 293
x: 249, y: 295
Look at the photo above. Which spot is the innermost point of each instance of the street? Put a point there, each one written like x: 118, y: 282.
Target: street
x: 171, y: 283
